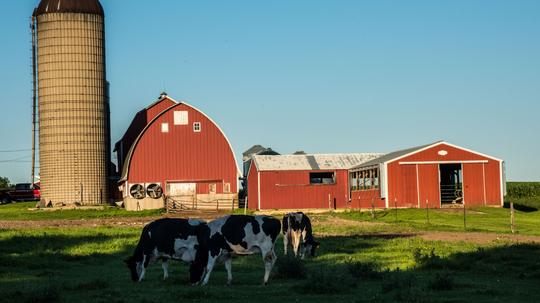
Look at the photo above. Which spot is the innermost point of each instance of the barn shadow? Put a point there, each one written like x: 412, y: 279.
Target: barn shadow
x: 477, y: 274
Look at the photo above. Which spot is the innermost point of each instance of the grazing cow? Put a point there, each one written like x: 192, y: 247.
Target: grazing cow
x: 239, y: 235
x: 297, y: 232
x: 165, y: 239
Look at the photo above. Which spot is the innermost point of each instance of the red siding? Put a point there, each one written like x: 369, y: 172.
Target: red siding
x: 137, y: 125
x: 253, y: 187
x: 428, y: 178
x: 183, y: 155
x: 292, y: 190
x: 473, y: 184
x: 493, y: 183
x: 363, y: 199
x: 402, y: 182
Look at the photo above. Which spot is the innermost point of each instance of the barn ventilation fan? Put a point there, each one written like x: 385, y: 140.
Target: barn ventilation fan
x: 154, y: 191
x: 137, y: 191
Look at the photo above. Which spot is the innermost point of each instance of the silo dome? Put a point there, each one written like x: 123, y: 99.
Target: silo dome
x: 69, y: 6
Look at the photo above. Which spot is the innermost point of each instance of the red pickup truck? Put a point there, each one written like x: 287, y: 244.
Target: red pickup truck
x: 22, y: 192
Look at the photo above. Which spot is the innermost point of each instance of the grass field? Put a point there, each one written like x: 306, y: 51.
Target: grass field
x: 358, y: 262
x: 22, y: 211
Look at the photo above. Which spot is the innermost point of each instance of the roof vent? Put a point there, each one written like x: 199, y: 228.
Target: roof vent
x: 163, y: 95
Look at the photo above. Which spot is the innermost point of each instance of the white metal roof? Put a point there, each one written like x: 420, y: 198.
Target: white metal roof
x: 312, y: 162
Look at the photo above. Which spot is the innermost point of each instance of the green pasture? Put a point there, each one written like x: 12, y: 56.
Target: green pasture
x: 353, y: 265
x: 26, y: 211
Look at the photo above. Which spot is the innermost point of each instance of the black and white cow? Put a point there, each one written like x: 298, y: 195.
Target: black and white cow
x: 165, y: 239
x: 239, y: 235
x: 298, y: 234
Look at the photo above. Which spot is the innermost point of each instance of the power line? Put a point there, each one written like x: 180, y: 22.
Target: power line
x: 15, y: 160
x: 14, y: 150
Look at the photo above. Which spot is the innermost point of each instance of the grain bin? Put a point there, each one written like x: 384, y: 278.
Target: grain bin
x: 74, y: 134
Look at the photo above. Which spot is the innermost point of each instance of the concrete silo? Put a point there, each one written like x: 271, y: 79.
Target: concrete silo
x: 74, y: 131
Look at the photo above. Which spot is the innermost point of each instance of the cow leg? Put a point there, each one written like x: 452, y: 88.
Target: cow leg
x: 269, y: 261
x: 228, y: 267
x: 209, y: 267
x: 165, y: 265
x: 143, y: 265
x: 296, y: 244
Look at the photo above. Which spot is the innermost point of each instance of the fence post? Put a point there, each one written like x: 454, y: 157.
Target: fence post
x: 464, y: 216
x: 395, y: 207
x: 245, y: 205
x: 372, y: 209
x: 512, y: 218
x: 427, y: 211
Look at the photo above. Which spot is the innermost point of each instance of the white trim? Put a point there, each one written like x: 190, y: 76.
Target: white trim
x: 165, y: 127
x: 463, y: 184
x: 443, y: 162
x: 501, y: 181
x: 484, y: 181
x: 199, y: 129
x: 439, y: 143
x: 439, y: 187
x: 414, y: 152
x: 386, y: 181
x: 417, y: 186
x: 259, y: 190
x: 472, y: 151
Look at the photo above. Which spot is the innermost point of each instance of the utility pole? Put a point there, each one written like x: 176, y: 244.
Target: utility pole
x: 34, y: 97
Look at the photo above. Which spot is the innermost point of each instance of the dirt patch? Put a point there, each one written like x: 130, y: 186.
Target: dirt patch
x: 117, y: 222
x: 476, y: 237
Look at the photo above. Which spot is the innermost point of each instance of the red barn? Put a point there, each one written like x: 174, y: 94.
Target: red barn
x: 173, y: 149
x: 301, y: 181
x: 437, y: 175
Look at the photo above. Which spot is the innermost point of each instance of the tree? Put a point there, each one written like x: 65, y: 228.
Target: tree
x: 4, y: 182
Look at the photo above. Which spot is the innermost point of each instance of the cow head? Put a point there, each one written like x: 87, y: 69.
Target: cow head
x: 135, y: 268
x: 311, y: 246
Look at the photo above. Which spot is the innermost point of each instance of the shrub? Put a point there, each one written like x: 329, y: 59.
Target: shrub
x: 289, y: 267
x: 429, y: 260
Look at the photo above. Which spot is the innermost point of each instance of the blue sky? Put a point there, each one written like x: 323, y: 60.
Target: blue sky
x: 320, y: 76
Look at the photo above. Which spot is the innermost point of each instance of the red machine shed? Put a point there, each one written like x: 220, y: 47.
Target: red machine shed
x: 180, y: 153
x: 301, y: 181
x: 435, y: 175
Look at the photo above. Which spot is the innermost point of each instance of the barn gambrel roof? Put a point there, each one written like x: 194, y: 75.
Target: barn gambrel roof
x: 125, y: 169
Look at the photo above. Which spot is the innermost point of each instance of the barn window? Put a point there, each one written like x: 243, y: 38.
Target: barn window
x: 322, y: 178
x: 181, y: 118
x: 213, y: 188
x: 164, y: 127
x: 227, y: 187
x: 197, y: 127
x: 365, y: 179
